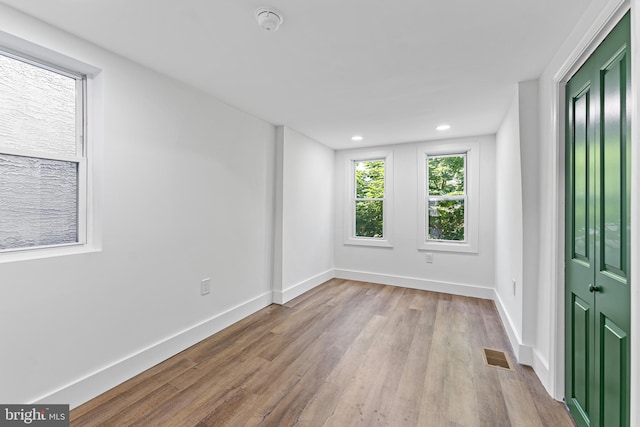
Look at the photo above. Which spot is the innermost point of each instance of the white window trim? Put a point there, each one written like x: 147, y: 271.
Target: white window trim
x: 472, y: 182
x: 89, y: 159
x: 387, y: 204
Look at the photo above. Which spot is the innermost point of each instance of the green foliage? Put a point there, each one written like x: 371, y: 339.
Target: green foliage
x: 369, y: 185
x: 446, y: 175
x: 369, y: 218
x: 370, y: 179
x: 446, y: 216
x: 446, y: 220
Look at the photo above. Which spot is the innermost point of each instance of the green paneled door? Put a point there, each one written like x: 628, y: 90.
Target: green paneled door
x: 597, y: 308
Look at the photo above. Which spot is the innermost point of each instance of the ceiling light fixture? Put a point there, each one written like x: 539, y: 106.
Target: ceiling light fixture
x: 268, y: 18
x: 443, y: 127
x: 356, y: 138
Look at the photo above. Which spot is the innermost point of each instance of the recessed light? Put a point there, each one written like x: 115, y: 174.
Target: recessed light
x: 356, y: 138
x: 443, y: 127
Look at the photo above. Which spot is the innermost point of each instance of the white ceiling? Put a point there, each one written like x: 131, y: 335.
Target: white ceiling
x: 388, y: 70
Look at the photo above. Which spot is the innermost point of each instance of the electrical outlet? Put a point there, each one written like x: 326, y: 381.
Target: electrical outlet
x: 205, y: 286
x: 429, y: 258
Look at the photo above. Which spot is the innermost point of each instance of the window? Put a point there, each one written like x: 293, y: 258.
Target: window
x: 369, y: 198
x: 448, y: 205
x: 369, y: 194
x: 42, y: 155
x: 447, y: 197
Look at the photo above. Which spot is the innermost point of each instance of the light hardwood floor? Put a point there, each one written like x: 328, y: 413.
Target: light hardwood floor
x: 344, y: 354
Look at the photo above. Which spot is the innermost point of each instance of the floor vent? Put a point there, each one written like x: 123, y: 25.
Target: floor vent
x: 496, y: 358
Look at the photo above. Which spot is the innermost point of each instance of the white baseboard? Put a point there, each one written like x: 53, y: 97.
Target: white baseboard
x: 512, y: 334
x: 85, y: 389
x: 415, y: 283
x: 541, y: 367
x: 281, y: 297
x: 524, y: 353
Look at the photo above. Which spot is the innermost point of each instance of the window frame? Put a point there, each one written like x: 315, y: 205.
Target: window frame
x: 81, y: 158
x: 471, y: 150
x: 387, y: 202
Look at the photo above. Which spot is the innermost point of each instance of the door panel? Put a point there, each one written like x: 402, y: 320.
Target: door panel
x: 613, y: 369
x: 580, y: 354
x: 613, y: 167
x: 581, y: 177
x: 597, y: 240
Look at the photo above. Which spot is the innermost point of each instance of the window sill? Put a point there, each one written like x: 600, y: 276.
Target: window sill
x: 48, y: 252
x: 448, y: 247
x: 382, y: 243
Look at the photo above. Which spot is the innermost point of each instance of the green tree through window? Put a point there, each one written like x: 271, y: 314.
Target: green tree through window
x: 446, y: 197
x: 369, y: 198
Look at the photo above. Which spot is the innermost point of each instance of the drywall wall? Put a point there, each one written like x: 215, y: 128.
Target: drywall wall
x: 185, y: 194
x: 529, y: 147
x: 509, y: 232
x: 517, y: 215
x: 403, y: 264
x: 304, y: 215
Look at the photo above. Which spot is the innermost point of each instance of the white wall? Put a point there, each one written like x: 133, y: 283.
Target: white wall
x: 529, y: 148
x: 186, y: 194
x: 304, y: 215
x: 517, y: 218
x: 403, y: 264
x: 509, y: 231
